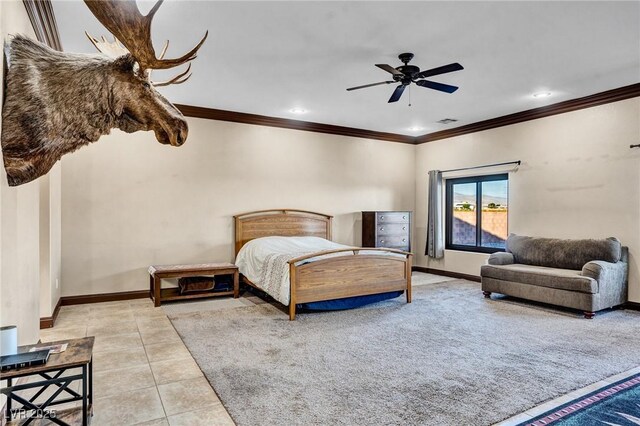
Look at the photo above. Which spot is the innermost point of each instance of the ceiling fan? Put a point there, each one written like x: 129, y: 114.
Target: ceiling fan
x: 407, y: 74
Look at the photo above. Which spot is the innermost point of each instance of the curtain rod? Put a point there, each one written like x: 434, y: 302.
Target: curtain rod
x: 481, y: 167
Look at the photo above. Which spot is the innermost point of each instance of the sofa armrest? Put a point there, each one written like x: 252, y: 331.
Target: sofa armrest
x: 501, y: 258
x: 606, y: 273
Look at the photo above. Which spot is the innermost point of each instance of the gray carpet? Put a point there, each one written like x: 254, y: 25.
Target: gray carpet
x: 449, y: 358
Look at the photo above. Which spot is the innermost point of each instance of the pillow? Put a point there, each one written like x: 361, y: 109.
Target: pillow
x: 565, y: 254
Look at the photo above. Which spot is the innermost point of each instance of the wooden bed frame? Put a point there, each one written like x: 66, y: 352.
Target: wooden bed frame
x: 330, y: 278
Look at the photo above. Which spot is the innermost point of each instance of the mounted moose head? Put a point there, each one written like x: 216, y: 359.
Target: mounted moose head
x: 57, y: 102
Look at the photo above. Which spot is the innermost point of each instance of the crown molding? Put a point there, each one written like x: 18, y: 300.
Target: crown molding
x: 43, y: 22
x: 601, y: 98
x: 264, y: 120
x: 614, y: 95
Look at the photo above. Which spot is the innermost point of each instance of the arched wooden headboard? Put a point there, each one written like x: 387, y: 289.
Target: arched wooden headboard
x: 281, y: 222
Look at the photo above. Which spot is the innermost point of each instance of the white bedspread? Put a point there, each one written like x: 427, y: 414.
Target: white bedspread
x: 264, y: 261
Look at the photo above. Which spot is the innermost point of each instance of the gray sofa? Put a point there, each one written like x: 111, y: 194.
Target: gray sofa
x: 589, y: 275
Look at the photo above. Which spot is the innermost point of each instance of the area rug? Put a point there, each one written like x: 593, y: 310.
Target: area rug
x: 614, y: 404
x: 449, y: 358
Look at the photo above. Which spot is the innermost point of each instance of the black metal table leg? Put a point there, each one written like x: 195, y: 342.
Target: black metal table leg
x: 8, y: 415
x: 84, y: 395
x: 91, y: 386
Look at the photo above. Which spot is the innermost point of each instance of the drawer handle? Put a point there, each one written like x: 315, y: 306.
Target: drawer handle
x: 382, y: 241
x: 382, y: 229
x: 404, y: 239
x: 404, y: 217
x: 381, y: 217
x: 404, y: 228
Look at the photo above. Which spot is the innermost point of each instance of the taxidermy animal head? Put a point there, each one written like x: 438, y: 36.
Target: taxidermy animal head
x: 57, y: 102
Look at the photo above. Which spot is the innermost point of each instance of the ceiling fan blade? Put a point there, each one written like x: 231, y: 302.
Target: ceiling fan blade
x: 389, y: 68
x: 370, y: 85
x: 397, y: 93
x: 437, y: 86
x: 440, y: 70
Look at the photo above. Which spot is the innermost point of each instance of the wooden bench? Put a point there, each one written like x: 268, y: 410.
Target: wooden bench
x: 158, y: 272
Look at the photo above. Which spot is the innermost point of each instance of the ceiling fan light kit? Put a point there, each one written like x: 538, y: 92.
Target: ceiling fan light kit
x: 407, y: 74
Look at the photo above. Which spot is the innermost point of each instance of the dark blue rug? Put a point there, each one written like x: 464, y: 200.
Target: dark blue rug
x: 617, y: 404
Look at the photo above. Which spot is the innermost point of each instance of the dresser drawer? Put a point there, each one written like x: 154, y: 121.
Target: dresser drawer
x: 398, y: 229
x: 392, y: 241
x: 392, y: 217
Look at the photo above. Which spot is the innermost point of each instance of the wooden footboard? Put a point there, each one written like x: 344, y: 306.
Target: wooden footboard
x: 359, y: 272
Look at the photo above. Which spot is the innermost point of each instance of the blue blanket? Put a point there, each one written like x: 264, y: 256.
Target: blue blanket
x: 348, y: 303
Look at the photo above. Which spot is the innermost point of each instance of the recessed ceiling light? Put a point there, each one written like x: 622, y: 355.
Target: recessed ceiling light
x: 297, y: 110
x: 415, y: 128
x: 541, y: 95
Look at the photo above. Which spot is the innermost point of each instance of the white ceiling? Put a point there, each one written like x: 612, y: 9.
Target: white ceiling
x: 268, y: 57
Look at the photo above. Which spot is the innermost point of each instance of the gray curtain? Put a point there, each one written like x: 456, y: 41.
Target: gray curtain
x: 435, y: 240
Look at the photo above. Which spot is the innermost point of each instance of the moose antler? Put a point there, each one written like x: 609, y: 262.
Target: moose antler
x: 175, y: 80
x: 133, y: 29
x: 115, y: 49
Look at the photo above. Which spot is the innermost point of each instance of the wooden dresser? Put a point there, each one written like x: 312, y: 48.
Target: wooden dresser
x: 387, y: 229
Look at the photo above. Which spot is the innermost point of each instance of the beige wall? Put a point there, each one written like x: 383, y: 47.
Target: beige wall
x: 19, y: 225
x: 50, y: 240
x: 129, y: 202
x: 578, y: 179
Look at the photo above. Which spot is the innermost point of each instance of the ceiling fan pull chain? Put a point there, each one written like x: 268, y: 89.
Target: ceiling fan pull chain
x: 409, y: 95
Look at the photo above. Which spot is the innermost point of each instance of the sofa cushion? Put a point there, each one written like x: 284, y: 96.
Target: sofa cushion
x: 501, y: 258
x: 565, y: 279
x: 563, y: 254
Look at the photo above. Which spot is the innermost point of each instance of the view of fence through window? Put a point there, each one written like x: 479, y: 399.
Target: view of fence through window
x: 493, y: 213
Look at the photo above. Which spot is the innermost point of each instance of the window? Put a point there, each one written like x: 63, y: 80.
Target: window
x: 477, y: 210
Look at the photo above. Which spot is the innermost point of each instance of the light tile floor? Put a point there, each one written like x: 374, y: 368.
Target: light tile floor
x: 144, y: 374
